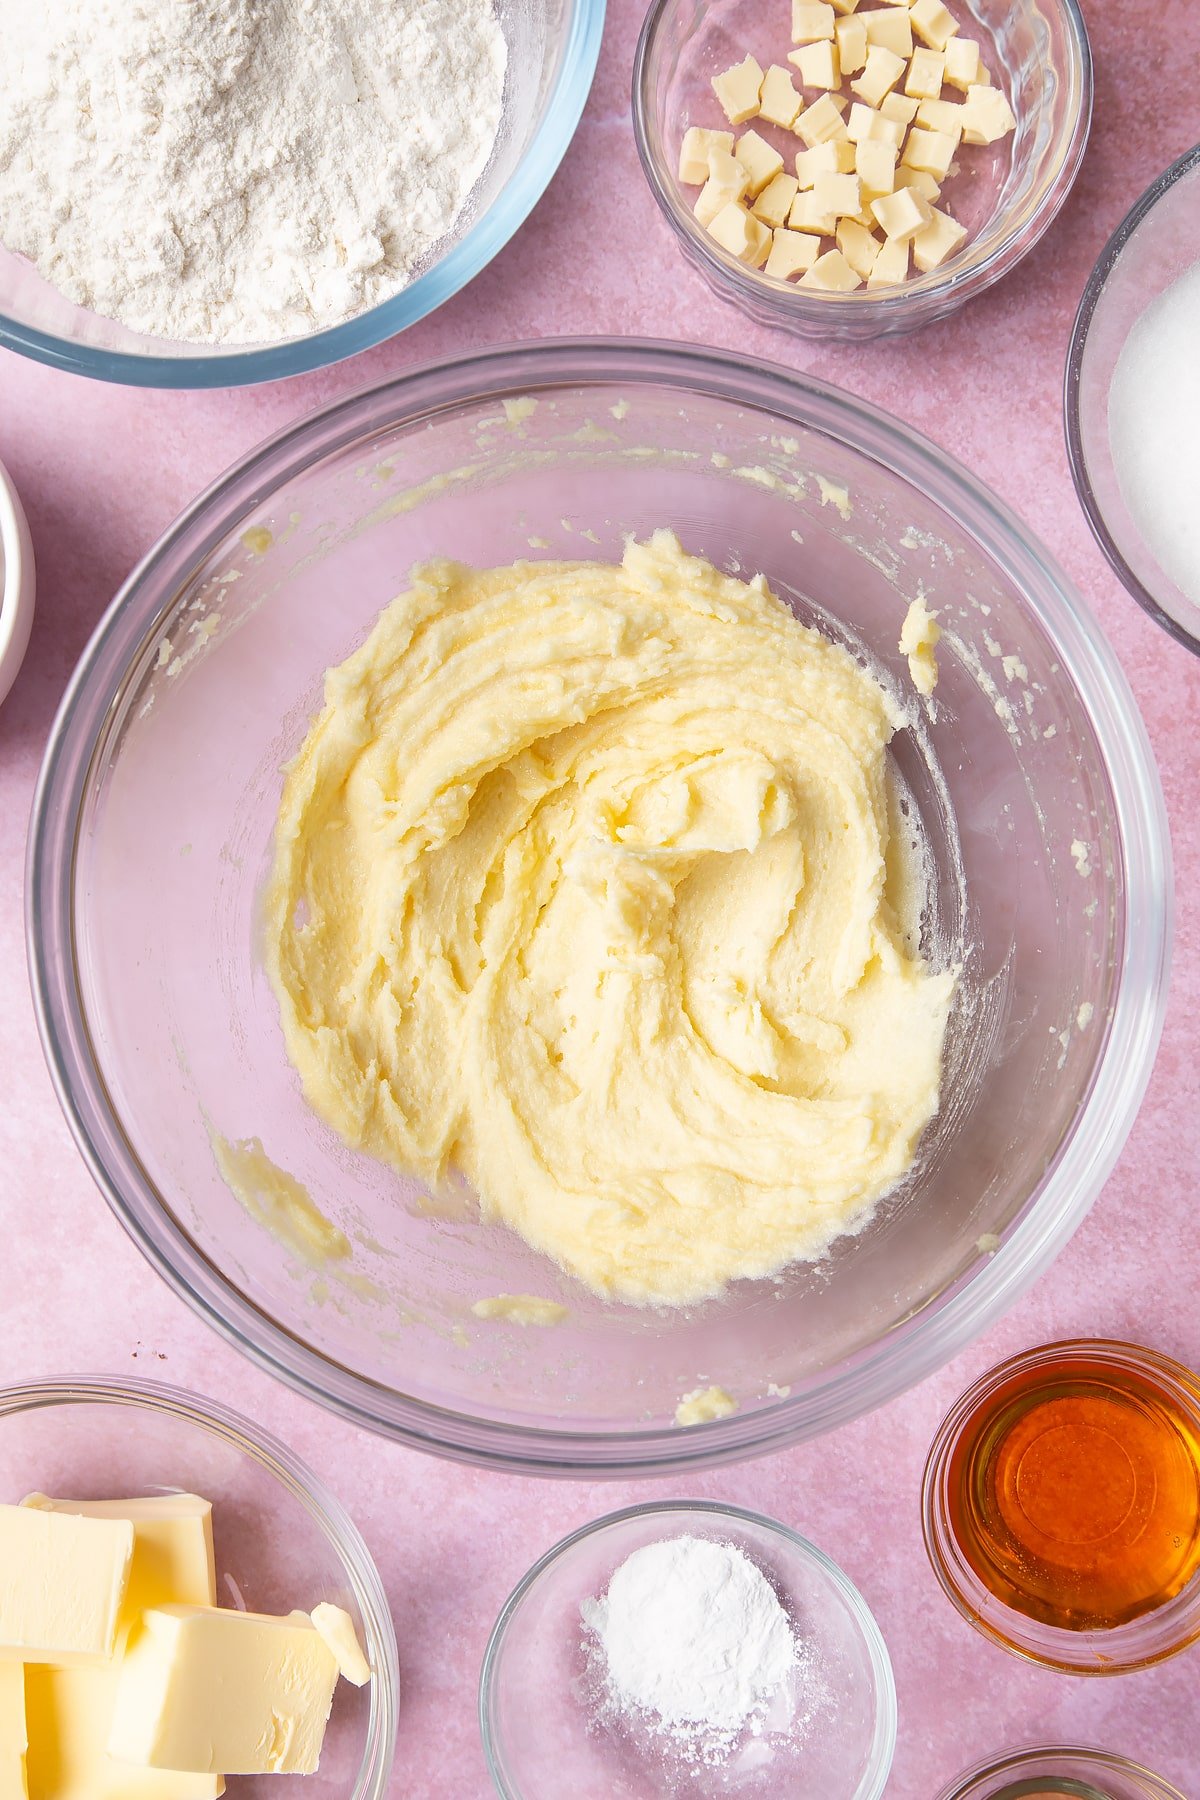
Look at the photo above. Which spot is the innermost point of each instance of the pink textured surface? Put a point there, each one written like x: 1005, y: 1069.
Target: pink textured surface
x: 103, y: 471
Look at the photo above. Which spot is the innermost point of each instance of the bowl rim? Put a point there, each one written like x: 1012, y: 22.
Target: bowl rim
x: 874, y: 1779
x: 1093, y: 293
x: 929, y: 1337
x: 246, y: 1436
x: 224, y: 367
x: 951, y: 285
x: 1049, y: 1646
x: 1028, y: 1757
x: 18, y: 582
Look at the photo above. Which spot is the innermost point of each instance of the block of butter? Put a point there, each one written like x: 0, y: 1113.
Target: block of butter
x: 62, y: 1583
x: 14, y: 1740
x: 211, y: 1690
x: 70, y: 1710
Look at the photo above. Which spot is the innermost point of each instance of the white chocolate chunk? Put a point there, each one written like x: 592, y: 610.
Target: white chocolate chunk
x: 835, y: 158
x: 775, y: 202
x: 940, y: 239
x: 821, y: 123
x: 875, y: 165
x: 806, y: 215
x: 933, y: 23
x: 900, y: 108
x: 865, y: 125
x: 850, y: 36
x: 832, y: 273
x: 792, y: 253
x: 715, y: 195
x: 921, y: 182
x: 883, y: 70
x: 741, y: 234
x: 693, y: 156
x: 926, y: 72
x: 902, y: 214
x: 932, y: 151
x: 963, y: 63
x: 761, y: 161
x: 858, y: 245
x: 812, y: 20
x: 891, y: 29
x: 738, y: 90
x: 987, y: 116
x: 941, y: 115
x: 779, y: 102
x: 891, y: 265
x: 837, y: 195
x: 818, y: 65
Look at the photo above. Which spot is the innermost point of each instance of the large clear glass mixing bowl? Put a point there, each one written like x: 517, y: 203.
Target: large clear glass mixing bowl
x: 1031, y: 777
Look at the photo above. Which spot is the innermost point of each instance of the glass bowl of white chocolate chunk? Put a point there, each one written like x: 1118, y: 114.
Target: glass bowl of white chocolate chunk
x: 846, y: 170
x: 186, y: 1612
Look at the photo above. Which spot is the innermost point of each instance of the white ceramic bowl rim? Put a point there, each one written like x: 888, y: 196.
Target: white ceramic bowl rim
x: 876, y: 1646
x: 1093, y: 294
x: 248, y: 1438
x: 439, y: 283
x: 927, y: 1339
x: 16, y: 582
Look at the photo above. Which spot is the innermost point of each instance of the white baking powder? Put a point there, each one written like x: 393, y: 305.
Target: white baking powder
x: 691, y: 1639
x: 1154, y: 429
x: 236, y: 171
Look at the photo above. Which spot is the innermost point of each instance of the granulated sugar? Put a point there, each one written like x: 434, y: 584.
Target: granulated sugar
x: 239, y: 171
x: 1153, y: 409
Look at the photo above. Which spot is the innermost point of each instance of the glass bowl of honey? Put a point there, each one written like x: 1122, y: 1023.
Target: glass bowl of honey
x: 1062, y: 1506
x: 1045, y: 1773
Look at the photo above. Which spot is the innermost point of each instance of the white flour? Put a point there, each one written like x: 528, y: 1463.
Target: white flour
x: 232, y: 171
x: 694, y: 1641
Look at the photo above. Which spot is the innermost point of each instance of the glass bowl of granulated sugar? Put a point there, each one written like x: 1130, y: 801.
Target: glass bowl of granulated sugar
x: 238, y: 190
x: 1133, y: 397
x: 680, y: 1650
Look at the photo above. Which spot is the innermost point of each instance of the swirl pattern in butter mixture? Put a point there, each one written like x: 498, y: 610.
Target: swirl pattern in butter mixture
x: 585, y: 887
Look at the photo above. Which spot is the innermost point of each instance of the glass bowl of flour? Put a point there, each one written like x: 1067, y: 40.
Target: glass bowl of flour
x: 1026, y: 781
x: 1133, y: 397
x: 687, y: 1649
x: 215, y: 192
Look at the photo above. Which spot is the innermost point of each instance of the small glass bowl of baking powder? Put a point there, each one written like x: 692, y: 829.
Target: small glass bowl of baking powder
x: 1069, y: 1773
x: 1123, y: 380
x: 551, y: 1724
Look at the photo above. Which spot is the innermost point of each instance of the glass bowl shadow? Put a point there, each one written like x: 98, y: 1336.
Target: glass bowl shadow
x: 553, y: 46
x: 1030, y: 776
x: 1085, y: 1775
x: 535, y: 1687
x: 281, y: 1539
x: 1156, y: 243
x: 1007, y: 195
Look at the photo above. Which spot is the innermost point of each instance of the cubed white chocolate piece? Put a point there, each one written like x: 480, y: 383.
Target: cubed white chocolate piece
x: 807, y: 216
x: 738, y: 90
x: 831, y: 273
x: 883, y: 70
x: 827, y: 159
x: 761, y: 161
x: 726, y: 170
x: 926, y: 72
x: 933, y: 23
x: 775, y: 202
x: 921, y: 182
x: 693, y: 156
x: 891, y: 265
x: 940, y: 239
x: 875, y: 165
x: 858, y: 245
x: 812, y: 20
x: 902, y: 214
x: 941, y: 115
x: 850, y: 35
x: 779, y: 102
x: 821, y: 123
x: 900, y: 108
x: 818, y: 65
x: 792, y: 252
x: 962, y: 63
x: 714, y: 196
x: 890, y: 28
x: 865, y: 125
x: 932, y: 151
x: 741, y: 234
x: 987, y: 116
x: 844, y: 6
x: 837, y: 195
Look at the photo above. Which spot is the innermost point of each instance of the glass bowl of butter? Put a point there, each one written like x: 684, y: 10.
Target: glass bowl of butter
x: 181, y: 1601
x: 850, y: 173
x: 999, y: 837
x: 1067, y: 1773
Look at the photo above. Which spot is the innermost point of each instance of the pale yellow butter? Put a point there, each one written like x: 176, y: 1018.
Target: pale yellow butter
x: 13, y: 1738
x: 62, y: 1582
x: 337, y: 1628
x: 211, y: 1690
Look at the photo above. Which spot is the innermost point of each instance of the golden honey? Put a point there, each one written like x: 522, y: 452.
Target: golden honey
x: 1073, y: 1491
